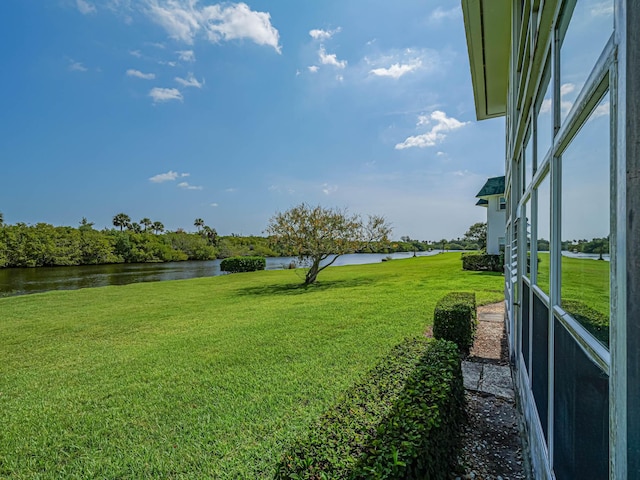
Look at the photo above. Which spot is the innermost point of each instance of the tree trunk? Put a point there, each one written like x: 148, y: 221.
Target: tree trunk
x: 312, y: 274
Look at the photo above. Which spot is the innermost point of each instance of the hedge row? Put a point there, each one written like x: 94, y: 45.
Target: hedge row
x: 401, y: 421
x: 483, y: 262
x: 594, y: 321
x: 455, y: 319
x: 243, y: 264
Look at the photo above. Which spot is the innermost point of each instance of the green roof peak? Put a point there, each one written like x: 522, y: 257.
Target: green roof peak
x: 493, y: 186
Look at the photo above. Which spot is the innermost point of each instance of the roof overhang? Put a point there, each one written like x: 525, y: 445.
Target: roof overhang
x: 487, y: 24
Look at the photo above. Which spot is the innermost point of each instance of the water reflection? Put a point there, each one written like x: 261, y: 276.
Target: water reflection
x: 21, y: 281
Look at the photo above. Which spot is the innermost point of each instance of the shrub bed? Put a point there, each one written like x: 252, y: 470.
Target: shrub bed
x: 401, y: 421
x: 243, y: 264
x: 455, y: 319
x: 483, y: 262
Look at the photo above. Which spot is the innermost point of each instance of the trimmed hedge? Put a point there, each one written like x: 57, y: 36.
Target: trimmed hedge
x: 455, y: 319
x: 595, y: 322
x: 402, y: 421
x: 243, y: 264
x: 483, y: 262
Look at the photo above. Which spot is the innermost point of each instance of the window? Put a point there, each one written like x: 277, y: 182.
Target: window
x: 591, y: 25
x: 585, y: 224
x: 502, y: 203
x: 543, y: 235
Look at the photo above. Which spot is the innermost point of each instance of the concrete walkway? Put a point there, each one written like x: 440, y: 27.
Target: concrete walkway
x: 488, y: 378
x: 485, y: 371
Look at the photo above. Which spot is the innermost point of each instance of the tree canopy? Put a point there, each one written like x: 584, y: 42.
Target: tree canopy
x: 313, y: 234
x: 477, y: 233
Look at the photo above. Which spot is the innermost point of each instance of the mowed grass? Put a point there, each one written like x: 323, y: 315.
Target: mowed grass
x: 204, y: 378
x: 583, y: 279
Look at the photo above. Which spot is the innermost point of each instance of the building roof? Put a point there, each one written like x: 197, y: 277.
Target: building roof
x: 493, y: 186
x: 487, y: 24
x: 482, y: 203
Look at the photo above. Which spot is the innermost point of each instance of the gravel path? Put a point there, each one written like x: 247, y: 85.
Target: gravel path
x: 492, y: 447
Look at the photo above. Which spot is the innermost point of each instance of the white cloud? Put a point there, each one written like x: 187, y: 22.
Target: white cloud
x: 167, y: 177
x: 545, y: 107
x: 313, y: 68
x: 601, y: 111
x: 319, y: 34
x: 135, y: 53
x: 85, y: 7
x: 186, y: 186
x: 190, y: 81
x: 231, y: 190
x: 566, y: 88
x: 329, y: 189
x: 440, y: 126
x: 138, y: 74
x: 340, y: 78
x: 440, y: 14
x: 184, y: 20
x: 77, y: 66
x: 330, y: 58
x: 186, y: 55
x: 170, y: 64
x: 602, y: 9
x: 165, y: 94
x: 398, y: 63
x: 213, y: 204
x: 397, y: 70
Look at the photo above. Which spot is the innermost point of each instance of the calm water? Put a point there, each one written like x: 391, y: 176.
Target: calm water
x: 21, y: 281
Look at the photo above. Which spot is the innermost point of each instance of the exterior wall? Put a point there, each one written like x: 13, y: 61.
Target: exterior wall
x: 495, y: 225
x: 569, y: 116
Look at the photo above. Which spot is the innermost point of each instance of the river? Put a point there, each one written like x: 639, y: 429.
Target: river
x: 22, y: 281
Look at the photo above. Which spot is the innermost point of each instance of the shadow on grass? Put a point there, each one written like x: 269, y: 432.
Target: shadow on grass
x: 299, y: 288
x: 485, y: 273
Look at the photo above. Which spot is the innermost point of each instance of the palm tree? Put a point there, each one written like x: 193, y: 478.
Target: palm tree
x: 135, y: 227
x: 211, y: 235
x: 157, y: 227
x: 121, y: 220
x: 1, y: 219
x: 146, y: 222
x: 199, y: 223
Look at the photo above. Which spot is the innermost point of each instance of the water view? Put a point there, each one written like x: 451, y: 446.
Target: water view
x: 21, y: 281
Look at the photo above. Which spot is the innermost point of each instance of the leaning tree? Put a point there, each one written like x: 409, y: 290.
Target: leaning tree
x: 313, y: 234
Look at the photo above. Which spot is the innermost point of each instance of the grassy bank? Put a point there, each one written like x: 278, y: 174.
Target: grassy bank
x: 199, y: 378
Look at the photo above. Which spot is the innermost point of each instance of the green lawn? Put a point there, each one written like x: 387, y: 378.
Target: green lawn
x: 584, y: 291
x: 200, y: 378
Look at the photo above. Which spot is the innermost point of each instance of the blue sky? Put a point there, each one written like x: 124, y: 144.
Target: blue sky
x: 178, y: 109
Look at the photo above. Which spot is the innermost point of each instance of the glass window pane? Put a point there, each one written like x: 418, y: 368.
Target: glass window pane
x: 589, y: 29
x: 528, y: 162
x: 527, y: 223
x: 585, y: 224
x: 544, y: 133
x: 543, y: 234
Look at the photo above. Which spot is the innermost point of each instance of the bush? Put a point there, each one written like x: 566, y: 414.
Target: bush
x: 401, y: 421
x: 455, y: 319
x: 594, y: 321
x: 482, y: 262
x: 243, y: 264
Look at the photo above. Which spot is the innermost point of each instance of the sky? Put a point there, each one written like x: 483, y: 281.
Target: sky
x: 230, y: 112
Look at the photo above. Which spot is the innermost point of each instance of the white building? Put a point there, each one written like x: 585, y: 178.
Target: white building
x: 565, y: 74
x: 491, y: 197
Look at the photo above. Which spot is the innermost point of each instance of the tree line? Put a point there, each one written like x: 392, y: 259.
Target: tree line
x: 43, y: 244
